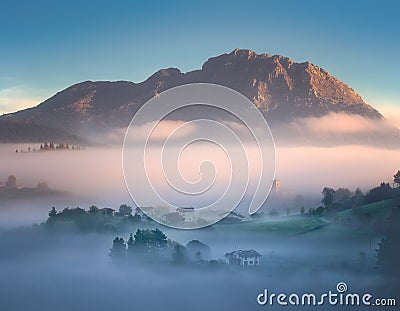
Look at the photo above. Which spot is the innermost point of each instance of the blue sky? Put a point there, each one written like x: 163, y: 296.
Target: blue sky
x: 48, y: 45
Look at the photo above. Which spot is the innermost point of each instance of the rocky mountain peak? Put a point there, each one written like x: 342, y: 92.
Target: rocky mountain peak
x: 281, y: 88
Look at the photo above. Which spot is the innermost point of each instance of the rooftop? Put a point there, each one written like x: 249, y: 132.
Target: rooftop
x: 244, y: 253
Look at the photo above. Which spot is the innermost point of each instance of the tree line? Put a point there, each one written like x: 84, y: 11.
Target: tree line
x: 337, y: 200
x: 152, y: 245
x: 94, y: 219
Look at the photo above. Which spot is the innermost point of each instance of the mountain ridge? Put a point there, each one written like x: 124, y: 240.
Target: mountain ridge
x: 281, y: 88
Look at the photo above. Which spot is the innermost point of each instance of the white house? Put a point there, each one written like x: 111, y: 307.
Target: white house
x: 243, y: 258
x: 188, y: 213
x: 145, y: 211
x: 107, y: 211
x: 173, y: 218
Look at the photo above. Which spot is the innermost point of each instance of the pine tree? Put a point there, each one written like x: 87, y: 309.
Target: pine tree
x: 396, y: 178
x: 179, y: 255
x: 118, y: 250
x: 159, y: 239
x: 131, y: 246
x: 53, y: 212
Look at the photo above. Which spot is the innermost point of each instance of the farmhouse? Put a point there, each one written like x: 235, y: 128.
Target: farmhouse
x: 187, y: 213
x: 145, y: 211
x: 243, y: 258
x: 107, y: 211
x: 173, y: 218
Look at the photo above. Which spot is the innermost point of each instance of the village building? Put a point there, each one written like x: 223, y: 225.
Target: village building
x: 187, y: 213
x: 243, y: 258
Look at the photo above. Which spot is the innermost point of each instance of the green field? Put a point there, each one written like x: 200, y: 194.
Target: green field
x: 377, y: 210
x: 284, y: 225
x: 297, y: 225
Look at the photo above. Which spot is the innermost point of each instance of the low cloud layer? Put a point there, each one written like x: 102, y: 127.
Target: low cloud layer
x: 95, y: 176
x: 334, y: 129
x: 342, y: 123
x: 336, y: 150
x: 338, y: 129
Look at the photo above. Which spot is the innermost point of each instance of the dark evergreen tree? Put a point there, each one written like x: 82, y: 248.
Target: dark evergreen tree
x: 383, y: 192
x: 118, y: 250
x: 52, y: 212
x: 158, y: 239
x: 396, y: 178
x: 388, y: 253
x: 328, y: 197
x: 341, y: 195
x: 319, y: 212
x: 179, y: 255
x: 93, y: 209
x: 198, y: 251
x: 130, y: 246
x: 358, y: 197
x: 125, y: 210
x: 134, y: 218
x: 140, y: 238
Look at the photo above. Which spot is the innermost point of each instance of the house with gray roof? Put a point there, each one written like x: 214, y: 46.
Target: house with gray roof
x: 243, y: 258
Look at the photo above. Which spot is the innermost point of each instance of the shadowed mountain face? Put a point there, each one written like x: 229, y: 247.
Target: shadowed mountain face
x: 15, y: 131
x: 281, y: 88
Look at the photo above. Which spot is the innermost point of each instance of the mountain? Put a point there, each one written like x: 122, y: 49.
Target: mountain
x: 15, y: 131
x: 282, y: 89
